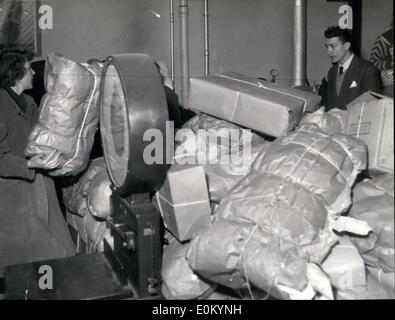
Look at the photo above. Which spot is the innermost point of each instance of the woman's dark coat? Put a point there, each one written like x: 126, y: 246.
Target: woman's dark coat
x: 32, y: 226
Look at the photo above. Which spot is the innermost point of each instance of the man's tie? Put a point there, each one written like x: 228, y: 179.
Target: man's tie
x: 341, y: 71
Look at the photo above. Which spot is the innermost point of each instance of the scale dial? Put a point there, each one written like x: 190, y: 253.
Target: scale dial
x: 132, y: 101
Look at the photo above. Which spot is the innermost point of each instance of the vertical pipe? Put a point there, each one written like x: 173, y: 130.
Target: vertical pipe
x: 172, y: 39
x: 299, y: 44
x: 356, y: 6
x: 206, y: 49
x: 183, y: 12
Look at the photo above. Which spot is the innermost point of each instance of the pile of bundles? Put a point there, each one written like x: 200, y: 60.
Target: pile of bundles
x: 69, y: 113
x: 370, y: 118
x: 284, y: 228
x: 87, y: 200
x: 274, y: 221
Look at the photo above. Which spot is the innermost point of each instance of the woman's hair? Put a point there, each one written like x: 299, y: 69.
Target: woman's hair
x: 12, y: 65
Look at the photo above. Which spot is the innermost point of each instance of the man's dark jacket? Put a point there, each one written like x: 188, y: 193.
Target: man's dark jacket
x: 360, y: 77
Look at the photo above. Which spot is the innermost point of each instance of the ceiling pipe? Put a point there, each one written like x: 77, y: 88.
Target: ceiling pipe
x: 183, y: 13
x: 299, y: 44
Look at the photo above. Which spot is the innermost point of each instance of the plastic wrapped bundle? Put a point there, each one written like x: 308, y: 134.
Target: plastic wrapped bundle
x: 219, y: 181
x: 331, y: 123
x: 214, y: 137
x: 178, y: 279
x: 325, y: 165
x: 279, y: 207
x: 225, y: 156
x: 87, y: 200
x: 275, y: 221
x: 240, y: 254
x: 63, y: 138
x: 373, y: 202
x: 259, y: 236
x: 75, y: 195
x: 99, y: 193
x: 92, y: 230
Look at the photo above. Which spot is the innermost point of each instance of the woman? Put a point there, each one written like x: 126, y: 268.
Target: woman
x: 382, y: 56
x: 32, y: 226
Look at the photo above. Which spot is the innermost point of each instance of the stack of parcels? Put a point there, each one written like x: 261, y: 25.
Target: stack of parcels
x: 87, y: 200
x: 373, y: 202
x: 371, y: 119
x: 68, y: 119
x: 276, y: 226
x: 266, y: 107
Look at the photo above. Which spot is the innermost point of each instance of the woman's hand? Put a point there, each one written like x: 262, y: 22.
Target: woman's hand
x: 48, y: 161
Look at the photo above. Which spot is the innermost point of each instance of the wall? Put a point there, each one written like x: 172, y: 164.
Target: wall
x: 84, y: 29
x: 247, y: 36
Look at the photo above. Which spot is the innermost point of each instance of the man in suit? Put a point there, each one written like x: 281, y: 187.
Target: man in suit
x: 350, y: 76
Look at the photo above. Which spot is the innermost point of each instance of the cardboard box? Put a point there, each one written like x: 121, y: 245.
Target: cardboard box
x: 263, y: 106
x: 183, y: 201
x: 345, y: 266
x: 371, y: 119
x: 309, y: 99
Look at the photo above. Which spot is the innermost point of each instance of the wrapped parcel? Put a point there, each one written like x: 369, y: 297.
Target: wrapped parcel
x: 178, y: 279
x: 266, y: 107
x: 371, y: 119
x: 87, y: 200
x: 68, y: 116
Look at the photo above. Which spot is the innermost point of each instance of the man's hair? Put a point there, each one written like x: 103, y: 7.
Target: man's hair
x: 335, y: 31
x: 12, y: 65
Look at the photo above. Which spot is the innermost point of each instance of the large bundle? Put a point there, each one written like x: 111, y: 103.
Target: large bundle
x: 325, y: 165
x: 63, y: 138
x: 178, y: 279
x: 91, y: 230
x: 373, y: 202
x: 265, y: 231
x: 87, y: 200
x: 331, y: 123
x: 98, y: 196
x: 75, y: 195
